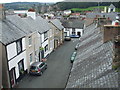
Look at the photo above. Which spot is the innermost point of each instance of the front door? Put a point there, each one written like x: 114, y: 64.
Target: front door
x: 12, y: 77
x: 21, y: 67
x: 42, y: 54
x: 79, y: 34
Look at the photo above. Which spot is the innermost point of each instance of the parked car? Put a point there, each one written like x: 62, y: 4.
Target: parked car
x: 37, y: 68
x: 74, y: 36
x: 67, y: 38
x: 76, y: 47
x: 72, y: 58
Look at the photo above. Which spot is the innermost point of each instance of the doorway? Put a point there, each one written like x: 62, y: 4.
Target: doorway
x: 79, y: 34
x: 21, y: 69
x: 12, y: 77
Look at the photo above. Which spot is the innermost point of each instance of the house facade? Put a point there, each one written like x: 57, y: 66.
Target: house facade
x: 73, y: 27
x: 111, y: 8
x: 14, y: 54
x: 51, y: 40
x: 57, y: 28
x: 43, y: 29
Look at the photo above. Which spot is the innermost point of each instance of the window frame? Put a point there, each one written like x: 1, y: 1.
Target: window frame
x: 46, y: 48
x: 31, y: 57
x: 45, y: 35
x: 30, y: 40
x: 20, y: 43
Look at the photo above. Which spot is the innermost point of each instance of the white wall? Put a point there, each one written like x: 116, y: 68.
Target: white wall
x: 79, y: 30
x: 67, y: 12
x: 109, y: 10
x: 23, y: 44
x: 14, y: 63
x: 11, y: 50
x: 32, y: 14
x: 69, y: 31
x: 43, y: 45
x: 14, y: 58
x: 20, y: 11
x: 42, y: 38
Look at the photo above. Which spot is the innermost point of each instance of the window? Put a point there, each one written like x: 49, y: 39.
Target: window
x: 41, y: 65
x: 30, y: 40
x: 31, y: 57
x: 19, y: 46
x: 73, y: 31
x: 45, y: 35
x: 46, y: 48
x: 67, y: 29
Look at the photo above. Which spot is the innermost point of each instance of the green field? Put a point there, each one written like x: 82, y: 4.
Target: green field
x: 91, y: 9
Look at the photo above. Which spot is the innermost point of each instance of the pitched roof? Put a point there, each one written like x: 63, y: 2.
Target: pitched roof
x: 73, y: 23
x: 57, y: 23
x: 111, y: 15
x: 10, y: 32
x: 43, y: 23
x: 18, y: 22
x: 92, y: 67
x: 112, y: 6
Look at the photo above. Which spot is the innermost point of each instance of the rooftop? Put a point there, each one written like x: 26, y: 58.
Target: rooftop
x: 92, y: 67
x: 57, y: 23
x: 76, y: 23
x: 10, y: 32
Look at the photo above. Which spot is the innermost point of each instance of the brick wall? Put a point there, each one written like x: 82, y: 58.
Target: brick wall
x: 110, y: 31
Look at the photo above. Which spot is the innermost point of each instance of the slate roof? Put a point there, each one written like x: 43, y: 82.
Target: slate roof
x: 39, y: 24
x: 111, y: 15
x: 57, y: 23
x: 10, y: 32
x: 111, y: 6
x: 15, y: 27
x: 18, y: 22
x: 43, y: 23
x: 92, y: 67
x: 73, y: 23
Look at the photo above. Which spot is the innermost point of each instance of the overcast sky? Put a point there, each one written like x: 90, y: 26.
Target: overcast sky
x: 49, y: 1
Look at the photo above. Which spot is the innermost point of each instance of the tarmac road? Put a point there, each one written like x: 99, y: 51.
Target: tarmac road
x: 58, y: 70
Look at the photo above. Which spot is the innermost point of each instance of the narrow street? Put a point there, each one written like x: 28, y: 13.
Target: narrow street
x: 58, y: 69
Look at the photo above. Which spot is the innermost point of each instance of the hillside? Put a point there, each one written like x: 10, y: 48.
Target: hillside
x: 70, y: 5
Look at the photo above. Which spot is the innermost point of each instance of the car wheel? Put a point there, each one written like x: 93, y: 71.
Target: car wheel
x: 46, y: 67
x: 40, y: 74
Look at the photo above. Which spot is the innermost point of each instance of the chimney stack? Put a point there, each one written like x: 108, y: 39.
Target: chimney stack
x: 2, y: 12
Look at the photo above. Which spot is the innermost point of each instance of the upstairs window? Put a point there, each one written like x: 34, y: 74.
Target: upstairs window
x: 45, y: 35
x: 46, y: 48
x: 31, y: 57
x: 73, y: 31
x: 19, y: 46
x: 30, y: 41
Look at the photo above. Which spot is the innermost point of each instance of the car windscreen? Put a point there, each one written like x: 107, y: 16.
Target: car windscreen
x: 33, y: 67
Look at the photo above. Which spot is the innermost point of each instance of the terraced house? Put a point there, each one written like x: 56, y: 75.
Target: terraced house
x: 23, y: 41
x: 57, y: 28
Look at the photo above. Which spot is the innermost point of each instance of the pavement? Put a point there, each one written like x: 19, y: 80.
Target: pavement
x: 58, y: 70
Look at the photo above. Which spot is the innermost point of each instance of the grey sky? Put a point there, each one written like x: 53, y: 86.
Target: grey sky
x: 7, y: 1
